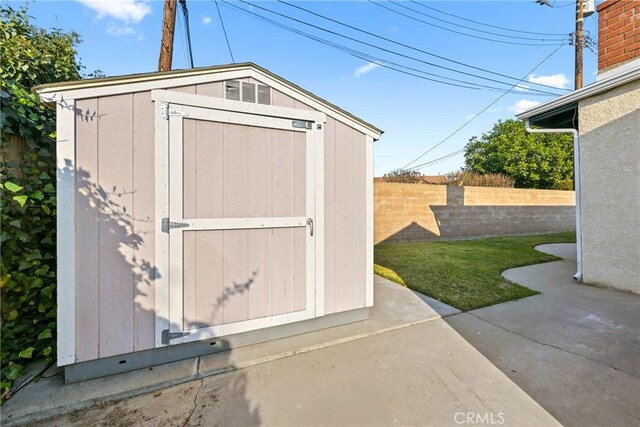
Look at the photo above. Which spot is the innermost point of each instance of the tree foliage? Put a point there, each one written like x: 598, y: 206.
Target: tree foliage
x: 29, y: 56
x: 533, y: 160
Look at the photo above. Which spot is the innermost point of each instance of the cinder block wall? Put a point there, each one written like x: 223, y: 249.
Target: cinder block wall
x: 421, y: 212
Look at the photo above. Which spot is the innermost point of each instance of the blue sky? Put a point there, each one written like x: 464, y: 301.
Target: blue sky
x: 122, y: 37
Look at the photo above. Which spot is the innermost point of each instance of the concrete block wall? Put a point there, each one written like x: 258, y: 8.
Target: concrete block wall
x: 422, y: 212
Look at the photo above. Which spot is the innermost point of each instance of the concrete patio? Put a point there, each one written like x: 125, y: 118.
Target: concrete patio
x: 574, y: 348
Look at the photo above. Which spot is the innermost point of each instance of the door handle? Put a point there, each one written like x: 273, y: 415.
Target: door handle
x: 310, y: 224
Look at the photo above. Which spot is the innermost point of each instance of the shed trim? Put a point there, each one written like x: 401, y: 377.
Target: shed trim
x: 161, y: 211
x: 203, y: 101
x: 369, y: 222
x: 65, y: 229
x: 80, y: 89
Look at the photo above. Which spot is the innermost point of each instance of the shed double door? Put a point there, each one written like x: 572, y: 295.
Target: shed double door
x: 242, y: 221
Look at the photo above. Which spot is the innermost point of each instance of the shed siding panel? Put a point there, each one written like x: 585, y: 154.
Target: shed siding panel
x: 144, y: 220
x: 235, y: 205
x: 345, y: 190
x: 117, y: 237
x: 359, y: 216
x: 87, y: 229
x: 260, y: 205
x: 329, y: 216
x: 344, y: 219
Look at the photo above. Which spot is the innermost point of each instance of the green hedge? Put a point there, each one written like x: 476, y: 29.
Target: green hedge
x: 29, y: 56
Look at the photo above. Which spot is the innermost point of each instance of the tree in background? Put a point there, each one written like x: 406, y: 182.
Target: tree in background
x: 533, y: 160
x: 29, y: 56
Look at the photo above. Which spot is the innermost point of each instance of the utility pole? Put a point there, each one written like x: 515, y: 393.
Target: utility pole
x: 168, y: 27
x: 579, y: 42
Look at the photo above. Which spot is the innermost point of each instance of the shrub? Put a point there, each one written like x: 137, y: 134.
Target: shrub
x: 473, y: 179
x: 29, y: 56
x: 406, y: 176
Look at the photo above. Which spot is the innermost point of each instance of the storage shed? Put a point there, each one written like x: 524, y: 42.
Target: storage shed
x: 197, y: 204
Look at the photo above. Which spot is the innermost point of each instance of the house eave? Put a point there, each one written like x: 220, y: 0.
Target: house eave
x: 574, y: 97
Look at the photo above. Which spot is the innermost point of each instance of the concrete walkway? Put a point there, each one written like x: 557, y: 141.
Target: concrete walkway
x: 403, y: 366
x: 574, y: 348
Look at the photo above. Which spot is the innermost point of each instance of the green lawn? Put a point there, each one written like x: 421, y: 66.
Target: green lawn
x: 464, y: 273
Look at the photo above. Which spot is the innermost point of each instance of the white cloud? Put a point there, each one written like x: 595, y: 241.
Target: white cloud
x: 395, y: 29
x: 123, y: 10
x: 523, y: 105
x: 123, y: 30
x: 361, y: 71
x: 494, y: 110
x: 206, y: 20
x: 556, y: 80
x: 521, y: 88
x: 469, y: 116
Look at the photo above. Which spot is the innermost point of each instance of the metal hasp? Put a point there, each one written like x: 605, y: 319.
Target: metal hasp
x: 168, y: 225
x: 310, y: 224
x: 168, y: 336
x: 301, y: 124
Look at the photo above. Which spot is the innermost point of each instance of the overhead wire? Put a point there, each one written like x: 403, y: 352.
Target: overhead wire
x: 183, y: 38
x: 463, y: 26
x: 185, y: 14
x: 485, y: 24
x: 391, y: 41
x: 381, y: 62
x: 476, y: 115
x: 224, y: 30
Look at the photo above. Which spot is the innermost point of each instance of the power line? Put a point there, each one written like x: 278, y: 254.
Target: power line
x: 394, y: 42
x: 183, y: 38
x: 485, y: 24
x: 233, y: 61
x: 476, y: 115
x: 185, y: 13
x: 462, y: 26
x: 381, y: 62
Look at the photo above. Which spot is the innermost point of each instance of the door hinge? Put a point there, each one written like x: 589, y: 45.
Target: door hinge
x: 168, y: 225
x: 165, y: 112
x: 168, y: 336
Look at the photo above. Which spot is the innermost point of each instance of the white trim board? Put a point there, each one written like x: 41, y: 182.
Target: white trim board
x: 66, y: 232
x: 203, y: 101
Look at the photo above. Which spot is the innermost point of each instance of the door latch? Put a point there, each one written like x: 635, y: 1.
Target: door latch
x: 168, y: 225
x: 310, y: 224
x: 168, y: 336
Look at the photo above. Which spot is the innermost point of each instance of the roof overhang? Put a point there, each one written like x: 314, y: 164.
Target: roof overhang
x: 562, y: 112
x: 82, y: 89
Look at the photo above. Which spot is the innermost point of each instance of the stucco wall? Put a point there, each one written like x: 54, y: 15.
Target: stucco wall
x: 610, y: 168
x: 421, y: 212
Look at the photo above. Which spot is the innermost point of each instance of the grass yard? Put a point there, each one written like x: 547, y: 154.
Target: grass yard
x: 465, y: 274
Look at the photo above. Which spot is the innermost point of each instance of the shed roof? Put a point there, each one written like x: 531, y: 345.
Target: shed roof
x: 144, y: 81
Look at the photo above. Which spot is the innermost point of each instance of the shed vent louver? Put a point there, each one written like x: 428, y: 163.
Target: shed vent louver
x: 248, y: 92
x: 264, y: 95
x: 232, y: 90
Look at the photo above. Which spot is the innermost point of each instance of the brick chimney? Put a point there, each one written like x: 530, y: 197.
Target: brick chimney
x: 618, y: 36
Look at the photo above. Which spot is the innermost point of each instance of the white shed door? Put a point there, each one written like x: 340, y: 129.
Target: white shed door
x: 242, y: 210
